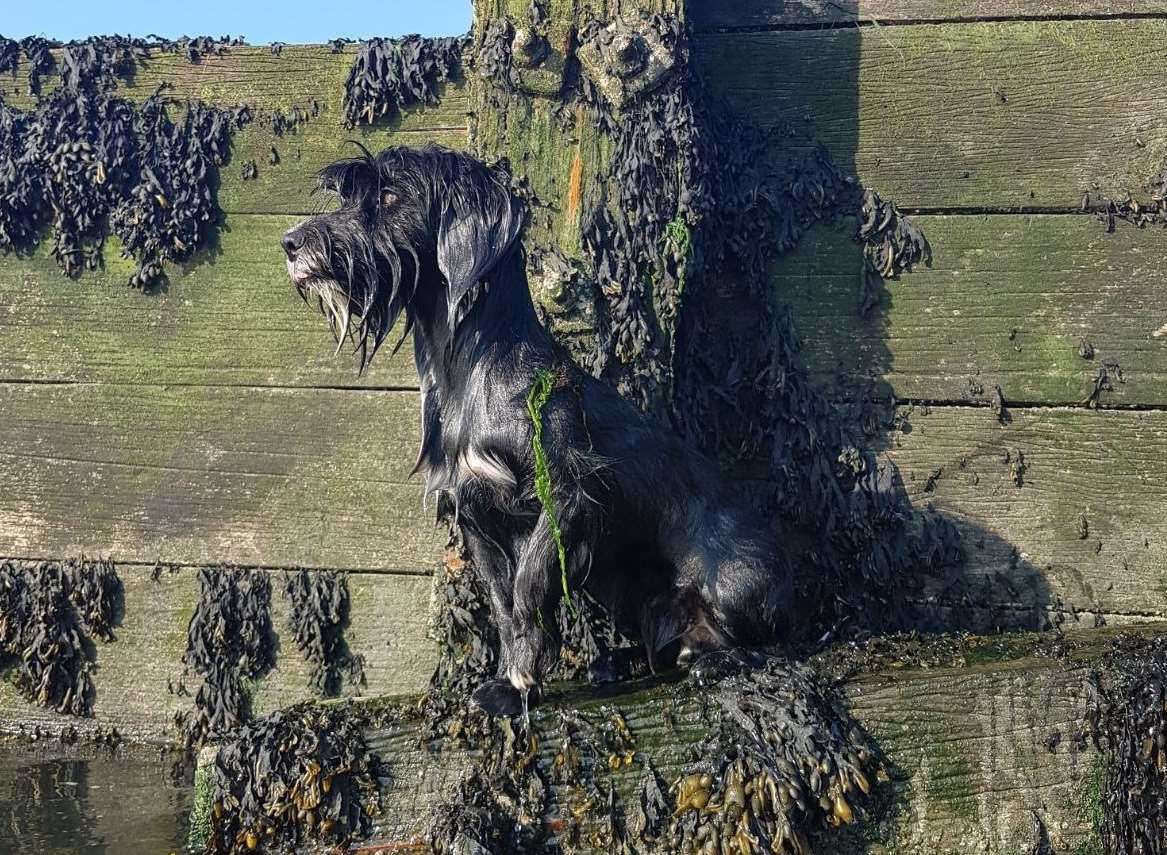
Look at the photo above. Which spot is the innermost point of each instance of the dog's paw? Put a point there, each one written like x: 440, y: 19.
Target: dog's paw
x: 498, y: 698
x: 603, y: 670
x: 715, y: 665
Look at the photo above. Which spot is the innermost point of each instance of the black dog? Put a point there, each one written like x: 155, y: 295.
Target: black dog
x: 642, y: 522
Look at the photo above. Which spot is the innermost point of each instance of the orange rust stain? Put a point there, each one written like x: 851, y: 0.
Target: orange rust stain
x: 575, y: 187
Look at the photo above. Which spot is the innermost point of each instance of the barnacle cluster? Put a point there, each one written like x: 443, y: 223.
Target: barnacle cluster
x: 318, y: 612
x: 229, y: 640
x: 1150, y: 212
x: 85, y: 162
x: 788, y: 759
x: 1127, y: 721
x: 390, y: 74
x: 49, y: 612
x: 297, y: 776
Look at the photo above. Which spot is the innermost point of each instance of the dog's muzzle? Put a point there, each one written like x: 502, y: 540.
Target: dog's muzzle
x: 299, y: 268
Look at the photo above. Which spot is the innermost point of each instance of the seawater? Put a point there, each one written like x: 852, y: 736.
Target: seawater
x: 98, y: 805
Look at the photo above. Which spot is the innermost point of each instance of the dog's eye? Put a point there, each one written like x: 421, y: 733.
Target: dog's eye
x: 388, y: 197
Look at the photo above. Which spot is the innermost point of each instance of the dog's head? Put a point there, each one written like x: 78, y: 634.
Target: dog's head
x: 416, y: 231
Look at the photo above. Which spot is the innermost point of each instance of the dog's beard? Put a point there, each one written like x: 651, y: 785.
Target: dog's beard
x: 358, y: 290
x: 332, y: 299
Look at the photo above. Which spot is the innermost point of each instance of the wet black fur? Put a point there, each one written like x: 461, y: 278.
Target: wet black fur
x: 652, y: 530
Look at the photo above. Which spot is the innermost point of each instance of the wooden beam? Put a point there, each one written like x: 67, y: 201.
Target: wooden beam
x: 389, y: 615
x: 306, y: 76
x: 320, y: 478
x: 198, y: 474
x: 968, y: 745
x: 1008, y: 301
x: 1085, y: 526
x: 1026, y: 115
x: 228, y: 317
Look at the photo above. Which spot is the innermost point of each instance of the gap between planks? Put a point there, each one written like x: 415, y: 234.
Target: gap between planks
x: 334, y: 387
x: 935, y: 403
x: 1108, y: 615
x: 188, y: 565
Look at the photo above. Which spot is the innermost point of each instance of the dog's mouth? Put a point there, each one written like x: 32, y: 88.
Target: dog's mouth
x: 304, y: 277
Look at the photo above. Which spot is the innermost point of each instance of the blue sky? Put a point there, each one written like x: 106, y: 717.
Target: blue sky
x: 289, y: 21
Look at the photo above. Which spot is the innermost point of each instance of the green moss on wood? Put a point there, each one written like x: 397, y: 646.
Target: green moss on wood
x: 207, y: 474
x: 1089, y: 809
x: 949, y: 783
x: 947, y: 333
x: 199, y: 831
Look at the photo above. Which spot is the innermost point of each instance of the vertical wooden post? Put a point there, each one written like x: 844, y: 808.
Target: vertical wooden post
x: 554, y: 144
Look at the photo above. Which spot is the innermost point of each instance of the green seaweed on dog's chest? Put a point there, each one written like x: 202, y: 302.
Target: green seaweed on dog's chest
x: 537, y: 399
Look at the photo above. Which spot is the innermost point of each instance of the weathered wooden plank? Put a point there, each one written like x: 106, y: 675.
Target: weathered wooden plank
x: 787, y: 13
x: 1008, y: 301
x: 230, y: 316
x: 968, y: 747
x: 198, y: 474
x: 291, y: 477
x: 1086, y: 525
x: 388, y: 619
x: 999, y: 115
x: 303, y: 76
x: 974, y: 766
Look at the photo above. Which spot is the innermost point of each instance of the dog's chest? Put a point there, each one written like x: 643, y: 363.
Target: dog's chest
x: 453, y: 456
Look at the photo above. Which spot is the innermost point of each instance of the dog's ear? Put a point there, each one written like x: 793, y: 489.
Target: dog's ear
x: 478, y: 227
x: 349, y: 178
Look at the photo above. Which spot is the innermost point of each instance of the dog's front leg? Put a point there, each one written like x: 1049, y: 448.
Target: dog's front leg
x: 493, y: 569
x: 533, y: 643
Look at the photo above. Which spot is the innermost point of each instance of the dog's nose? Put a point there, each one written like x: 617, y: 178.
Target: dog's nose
x: 291, y: 242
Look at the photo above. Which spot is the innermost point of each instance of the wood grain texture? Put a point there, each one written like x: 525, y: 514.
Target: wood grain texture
x: 1008, y: 301
x: 1106, y: 467
x: 968, y: 746
x: 291, y: 477
x: 388, y: 620
x: 785, y: 13
x: 974, y: 766
x: 1001, y: 115
x: 197, y: 474
x: 228, y: 317
x: 302, y: 76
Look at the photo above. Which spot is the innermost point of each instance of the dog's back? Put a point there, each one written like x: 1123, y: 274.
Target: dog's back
x: 699, y: 563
